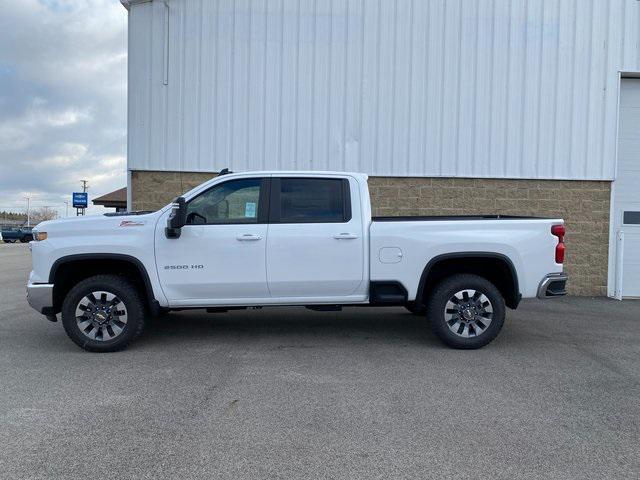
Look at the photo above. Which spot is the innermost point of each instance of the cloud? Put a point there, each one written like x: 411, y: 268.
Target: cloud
x: 62, y: 100
x: 39, y: 116
x: 19, y: 132
x: 70, y: 155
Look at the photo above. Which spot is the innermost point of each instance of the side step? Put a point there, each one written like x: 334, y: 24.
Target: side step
x: 225, y: 309
x: 324, y: 308
x: 388, y: 293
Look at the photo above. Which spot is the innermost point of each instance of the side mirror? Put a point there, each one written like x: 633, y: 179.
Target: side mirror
x: 177, y: 218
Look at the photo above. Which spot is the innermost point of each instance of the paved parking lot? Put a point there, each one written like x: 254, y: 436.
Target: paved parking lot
x: 289, y: 393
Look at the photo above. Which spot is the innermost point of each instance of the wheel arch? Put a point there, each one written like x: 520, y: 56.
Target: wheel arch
x: 68, y: 270
x: 505, y: 276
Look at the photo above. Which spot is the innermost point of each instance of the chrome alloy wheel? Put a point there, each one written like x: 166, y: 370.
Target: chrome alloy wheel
x: 101, y: 316
x: 468, y: 313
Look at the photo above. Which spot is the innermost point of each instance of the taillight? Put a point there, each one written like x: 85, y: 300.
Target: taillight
x: 559, y: 231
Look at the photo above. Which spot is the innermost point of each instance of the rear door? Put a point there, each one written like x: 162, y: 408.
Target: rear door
x: 315, y: 244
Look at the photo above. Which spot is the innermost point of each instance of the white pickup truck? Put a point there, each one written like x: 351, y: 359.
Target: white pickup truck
x: 289, y: 238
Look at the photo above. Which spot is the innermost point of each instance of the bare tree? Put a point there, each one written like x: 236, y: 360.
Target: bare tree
x: 42, y: 214
x: 4, y: 215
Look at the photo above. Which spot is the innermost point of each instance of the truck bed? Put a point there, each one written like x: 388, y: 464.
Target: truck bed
x: 402, y: 246
x: 430, y: 218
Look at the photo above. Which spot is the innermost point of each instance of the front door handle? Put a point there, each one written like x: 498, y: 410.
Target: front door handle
x: 345, y: 236
x: 248, y: 237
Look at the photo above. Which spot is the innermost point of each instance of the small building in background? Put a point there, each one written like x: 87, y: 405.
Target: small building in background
x: 116, y: 199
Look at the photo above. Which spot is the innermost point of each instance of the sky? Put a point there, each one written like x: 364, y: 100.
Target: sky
x: 63, y: 100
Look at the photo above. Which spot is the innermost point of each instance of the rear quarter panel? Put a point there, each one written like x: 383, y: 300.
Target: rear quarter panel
x: 528, y: 243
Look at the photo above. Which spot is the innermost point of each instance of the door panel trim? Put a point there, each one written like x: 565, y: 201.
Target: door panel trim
x: 260, y: 301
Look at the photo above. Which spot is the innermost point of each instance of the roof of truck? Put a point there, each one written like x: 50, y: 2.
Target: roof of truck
x: 299, y: 172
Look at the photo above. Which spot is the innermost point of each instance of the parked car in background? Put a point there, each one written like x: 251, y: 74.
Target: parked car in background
x: 289, y: 238
x: 21, y: 234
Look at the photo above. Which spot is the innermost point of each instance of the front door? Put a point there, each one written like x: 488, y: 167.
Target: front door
x: 315, y: 248
x: 220, y: 255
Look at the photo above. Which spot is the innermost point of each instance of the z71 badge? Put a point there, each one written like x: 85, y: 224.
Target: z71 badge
x: 132, y: 223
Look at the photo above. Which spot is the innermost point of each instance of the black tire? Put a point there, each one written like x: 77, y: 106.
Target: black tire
x: 443, y: 328
x: 419, y: 310
x: 126, y: 292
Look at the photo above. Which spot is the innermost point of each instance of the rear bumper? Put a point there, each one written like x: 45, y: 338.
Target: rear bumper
x: 40, y: 297
x: 553, y: 285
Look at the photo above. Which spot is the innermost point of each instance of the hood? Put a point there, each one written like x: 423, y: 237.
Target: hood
x: 91, y: 224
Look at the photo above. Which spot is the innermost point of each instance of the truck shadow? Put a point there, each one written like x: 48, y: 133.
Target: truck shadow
x: 290, y: 324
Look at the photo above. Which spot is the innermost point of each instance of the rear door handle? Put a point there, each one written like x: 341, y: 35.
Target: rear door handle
x: 345, y: 236
x: 248, y: 237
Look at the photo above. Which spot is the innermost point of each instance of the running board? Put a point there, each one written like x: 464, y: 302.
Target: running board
x: 324, y: 308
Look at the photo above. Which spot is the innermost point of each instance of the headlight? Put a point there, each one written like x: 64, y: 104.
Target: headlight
x: 39, y: 236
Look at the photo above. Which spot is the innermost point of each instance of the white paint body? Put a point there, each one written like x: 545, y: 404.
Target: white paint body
x: 286, y: 264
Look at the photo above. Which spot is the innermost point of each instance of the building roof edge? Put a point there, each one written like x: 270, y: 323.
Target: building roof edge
x: 129, y: 3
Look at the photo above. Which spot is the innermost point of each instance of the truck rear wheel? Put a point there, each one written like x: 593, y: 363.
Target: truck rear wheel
x: 466, y: 311
x: 104, y: 313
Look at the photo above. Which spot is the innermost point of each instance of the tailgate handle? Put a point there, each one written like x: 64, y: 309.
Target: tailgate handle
x: 345, y: 236
x: 248, y: 237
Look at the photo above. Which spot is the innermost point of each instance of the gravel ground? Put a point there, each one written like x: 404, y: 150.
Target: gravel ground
x: 290, y: 393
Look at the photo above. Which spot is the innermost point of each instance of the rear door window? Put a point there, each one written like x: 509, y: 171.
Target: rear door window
x: 310, y: 200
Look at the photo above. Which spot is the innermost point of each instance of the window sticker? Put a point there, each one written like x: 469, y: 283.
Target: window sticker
x: 250, y: 210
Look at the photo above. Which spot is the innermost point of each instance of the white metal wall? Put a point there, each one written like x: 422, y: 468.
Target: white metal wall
x: 471, y: 88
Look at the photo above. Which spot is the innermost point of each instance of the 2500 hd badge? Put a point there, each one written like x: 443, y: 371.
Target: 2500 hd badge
x: 183, y: 267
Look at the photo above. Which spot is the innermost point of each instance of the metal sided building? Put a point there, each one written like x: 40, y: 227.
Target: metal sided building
x: 528, y: 107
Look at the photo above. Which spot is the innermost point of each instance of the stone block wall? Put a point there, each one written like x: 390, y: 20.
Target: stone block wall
x: 583, y: 204
x: 154, y: 190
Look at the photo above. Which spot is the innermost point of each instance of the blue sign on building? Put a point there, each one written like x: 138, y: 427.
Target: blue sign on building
x: 80, y: 199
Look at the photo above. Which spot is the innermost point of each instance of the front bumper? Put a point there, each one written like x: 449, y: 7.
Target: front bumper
x: 40, y: 297
x: 553, y: 285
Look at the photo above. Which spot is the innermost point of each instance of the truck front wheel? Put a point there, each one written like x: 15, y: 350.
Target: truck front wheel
x: 103, y: 313
x: 466, y: 311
